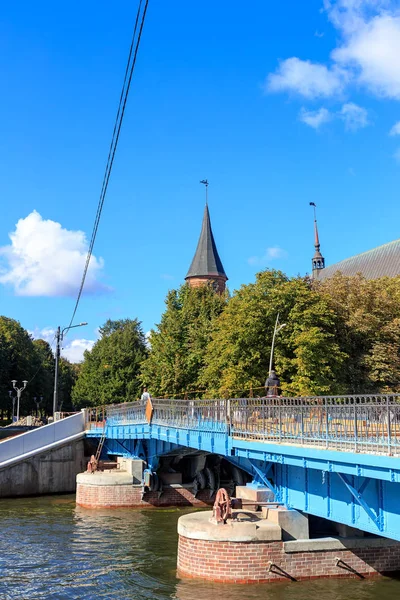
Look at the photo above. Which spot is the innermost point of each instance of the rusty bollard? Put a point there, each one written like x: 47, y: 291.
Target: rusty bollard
x: 92, y: 464
x: 222, y: 509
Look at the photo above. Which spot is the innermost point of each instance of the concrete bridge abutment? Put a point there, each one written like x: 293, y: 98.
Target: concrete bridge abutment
x: 51, y: 471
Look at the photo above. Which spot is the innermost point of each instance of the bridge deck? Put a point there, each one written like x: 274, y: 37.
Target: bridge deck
x: 335, y: 457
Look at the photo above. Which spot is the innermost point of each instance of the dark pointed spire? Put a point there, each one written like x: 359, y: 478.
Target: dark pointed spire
x: 206, y: 261
x: 318, y: 261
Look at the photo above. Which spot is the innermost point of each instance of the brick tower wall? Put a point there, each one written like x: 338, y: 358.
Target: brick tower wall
x: 219, y: 280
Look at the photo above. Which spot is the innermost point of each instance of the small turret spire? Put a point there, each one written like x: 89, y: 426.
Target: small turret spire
x: 318, y: 261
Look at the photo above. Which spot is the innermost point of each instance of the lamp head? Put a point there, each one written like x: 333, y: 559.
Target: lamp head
x: 25, y: 382
x: 14, y: 381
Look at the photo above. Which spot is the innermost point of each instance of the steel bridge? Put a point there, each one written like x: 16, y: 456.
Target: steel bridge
x: 336, y: 457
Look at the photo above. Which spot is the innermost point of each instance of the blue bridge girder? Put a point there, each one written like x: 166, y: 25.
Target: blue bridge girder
x: 336, y: 458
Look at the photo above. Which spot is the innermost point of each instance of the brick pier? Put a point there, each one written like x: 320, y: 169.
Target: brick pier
x: 234, y: 553
x: 129, y: 495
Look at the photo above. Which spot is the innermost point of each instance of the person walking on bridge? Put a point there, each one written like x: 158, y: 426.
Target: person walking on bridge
x: 145, y: 396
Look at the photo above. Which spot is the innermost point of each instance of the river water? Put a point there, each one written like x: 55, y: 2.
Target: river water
x: 51, y: 549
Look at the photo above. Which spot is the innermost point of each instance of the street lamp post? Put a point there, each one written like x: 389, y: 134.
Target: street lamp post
x: 277, y: 329
x: 13, y: 399
x: 59, y: 339
x: 19, y: 392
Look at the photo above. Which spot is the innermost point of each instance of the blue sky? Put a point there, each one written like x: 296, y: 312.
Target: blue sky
x: 276, y: 104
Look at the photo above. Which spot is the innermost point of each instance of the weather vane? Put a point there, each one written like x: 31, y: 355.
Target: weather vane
x: 205, y: 182
x: 315, y: 210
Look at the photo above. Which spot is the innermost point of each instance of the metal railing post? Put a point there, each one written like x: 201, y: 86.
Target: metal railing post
x: 326, y: 424
x: 302, y: 422
x: 280, y: 419
x: 389, y: 433
x: 264, y: 408
x: 355, y: 427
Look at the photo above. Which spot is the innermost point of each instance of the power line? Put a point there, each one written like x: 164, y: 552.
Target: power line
x: 140, y: 16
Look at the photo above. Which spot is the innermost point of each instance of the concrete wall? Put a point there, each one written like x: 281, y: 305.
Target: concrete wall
x: 49, y: 472
x: 32, y: 441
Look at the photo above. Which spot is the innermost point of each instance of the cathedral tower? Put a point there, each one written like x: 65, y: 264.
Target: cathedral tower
x: 206, y: 264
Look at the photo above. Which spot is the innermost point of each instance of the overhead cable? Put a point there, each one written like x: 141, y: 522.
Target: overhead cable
x: 136, y: 37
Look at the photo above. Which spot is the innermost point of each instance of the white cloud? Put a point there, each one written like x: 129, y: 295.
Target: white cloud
x: 47, y: 334
x: 372, y: 49
x: 395, y: 129
x: 354, y: 116
x: 167, y: 277
x: 311, y: 80
x: 71, y: 350
x: 315, y: 118
x: 74, y: 350
x: 367, y: 53
x: 348, y: 15
x: 44, y: 259
x: 270, y: 254
x: 147, y: 338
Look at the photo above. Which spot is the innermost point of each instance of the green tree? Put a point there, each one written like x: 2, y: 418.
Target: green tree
x: 368, y: 330
x: 307, y: 357
x: 178, y: 344
x: 110, y: 372
x: 43, y: 382
x: 18, y: 360
x: 68, y: 375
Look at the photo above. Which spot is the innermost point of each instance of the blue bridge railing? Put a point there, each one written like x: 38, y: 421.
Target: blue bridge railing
x: 362, y: 423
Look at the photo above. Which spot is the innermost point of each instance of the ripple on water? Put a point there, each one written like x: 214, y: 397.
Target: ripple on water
x: 52, y: 549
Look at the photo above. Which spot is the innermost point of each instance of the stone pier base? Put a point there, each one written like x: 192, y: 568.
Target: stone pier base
x: 252, y: 551
x: 115, y: 489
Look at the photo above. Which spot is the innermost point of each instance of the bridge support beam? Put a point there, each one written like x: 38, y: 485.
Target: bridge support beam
x: 358, y: 497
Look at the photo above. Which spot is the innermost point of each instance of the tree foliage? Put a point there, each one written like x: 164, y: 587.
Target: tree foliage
x: 341, y: 335
x: 307, y: 357
x: 23, y: 358
x: 179, y: 342
x: 368, y: 330
x: 110, y: 372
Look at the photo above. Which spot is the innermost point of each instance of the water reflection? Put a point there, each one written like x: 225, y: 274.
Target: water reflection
x: 50, y: 549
